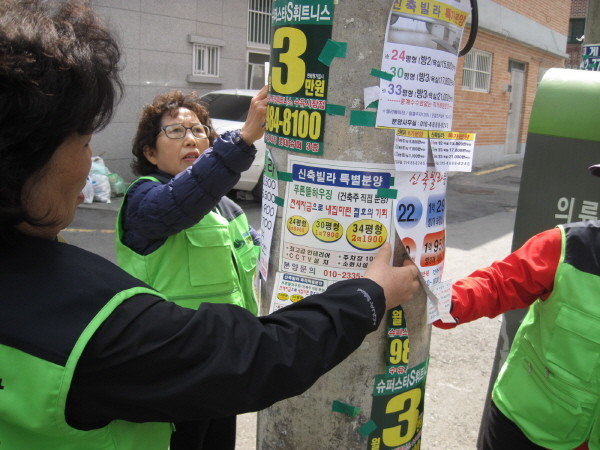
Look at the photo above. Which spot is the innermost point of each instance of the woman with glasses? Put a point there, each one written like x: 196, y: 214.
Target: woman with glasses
x: 179, y: 232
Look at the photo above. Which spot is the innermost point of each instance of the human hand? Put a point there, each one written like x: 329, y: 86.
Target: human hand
x: 253, y: 129
x: 398, y: 283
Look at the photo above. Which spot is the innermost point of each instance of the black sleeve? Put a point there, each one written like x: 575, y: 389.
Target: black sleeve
x: 154, y: 361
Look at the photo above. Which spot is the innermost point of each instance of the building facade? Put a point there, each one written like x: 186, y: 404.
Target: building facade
x: 205, y: 45
x: 200, y: 45
x: 496, y: 82
x: 576, y: 30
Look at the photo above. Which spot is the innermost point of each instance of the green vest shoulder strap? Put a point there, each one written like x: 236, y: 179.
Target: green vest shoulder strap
x: 38, y: 365
x: 212, y: 261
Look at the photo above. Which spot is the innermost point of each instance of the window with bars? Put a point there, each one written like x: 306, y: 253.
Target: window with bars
x: 477, y: 71
x: 206, y: 60
x: 576, y: 29
x: 259, y: 23
x: 257, y: 77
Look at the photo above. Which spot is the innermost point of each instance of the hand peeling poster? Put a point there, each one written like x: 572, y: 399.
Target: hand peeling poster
x: 334, y: 221
x: 421, y: 52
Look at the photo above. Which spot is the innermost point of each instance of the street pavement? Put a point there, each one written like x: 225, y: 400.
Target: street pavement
x: 480, y: 218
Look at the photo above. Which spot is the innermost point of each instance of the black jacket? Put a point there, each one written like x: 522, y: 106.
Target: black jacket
x: 154, y: 361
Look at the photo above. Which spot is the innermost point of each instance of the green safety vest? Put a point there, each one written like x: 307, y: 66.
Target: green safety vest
x: 213, y: 261
x: 550, y: 383
x: 35, y: 385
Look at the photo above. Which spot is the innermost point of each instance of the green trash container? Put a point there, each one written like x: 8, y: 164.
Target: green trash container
x: 563, y: 140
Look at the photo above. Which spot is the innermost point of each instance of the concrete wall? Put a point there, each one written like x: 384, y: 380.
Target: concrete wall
x: 157, y: 56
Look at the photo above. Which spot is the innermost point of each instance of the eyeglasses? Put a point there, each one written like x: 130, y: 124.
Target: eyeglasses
x: 178, y: 131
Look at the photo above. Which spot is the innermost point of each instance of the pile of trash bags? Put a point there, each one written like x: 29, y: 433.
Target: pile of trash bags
x: 102, y: 184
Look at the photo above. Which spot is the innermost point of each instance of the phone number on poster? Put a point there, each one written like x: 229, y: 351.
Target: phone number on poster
x: 298, y: 123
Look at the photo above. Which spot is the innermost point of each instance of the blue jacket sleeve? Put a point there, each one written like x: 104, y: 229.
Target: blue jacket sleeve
x: 154, y: 211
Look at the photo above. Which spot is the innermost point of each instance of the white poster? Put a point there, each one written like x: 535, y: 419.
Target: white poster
x: 439, y: 302
x: 452, y: 151
x: 420, y: 220
x: 410, y: 150
x: 420, y: 55
x: 268, y: 213
x: 289, y: 288
x: 336, y: 216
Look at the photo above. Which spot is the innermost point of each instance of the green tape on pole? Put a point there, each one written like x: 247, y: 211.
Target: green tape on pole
x: 278, y: 201
x: 332, y: 49
x: 363, y: 118
x: 335, y: 110
x: 381, y: 74
x: 367, y: 428
x: 284, y: 176
x: 387, y: 193
x: 343, y: 408
x: 374, y: 104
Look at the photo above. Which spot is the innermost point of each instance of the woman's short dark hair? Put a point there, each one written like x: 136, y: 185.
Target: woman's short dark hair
x: 150, y: 123
x: 58, y: 76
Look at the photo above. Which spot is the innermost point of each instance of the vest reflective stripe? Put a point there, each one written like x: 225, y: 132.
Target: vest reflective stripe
x: 550, y: 383
x: 212, y: 261
x: 39, y: 422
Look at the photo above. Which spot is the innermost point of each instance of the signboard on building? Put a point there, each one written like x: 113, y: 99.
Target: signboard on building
x: 590, y: 59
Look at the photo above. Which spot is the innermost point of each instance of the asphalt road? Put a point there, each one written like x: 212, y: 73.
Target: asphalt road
x: 480, y: 218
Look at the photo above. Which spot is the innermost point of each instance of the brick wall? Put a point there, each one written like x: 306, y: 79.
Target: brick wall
x: 550, y: 13
x: 574, y: 59
x: 486, y: 113
x: 578, y: 9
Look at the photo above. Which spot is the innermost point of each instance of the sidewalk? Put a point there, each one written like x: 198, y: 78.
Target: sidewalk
x: 114, y: 205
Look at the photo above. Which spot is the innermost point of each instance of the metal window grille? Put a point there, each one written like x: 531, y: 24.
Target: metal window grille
x: 576, y: 29
x: 477, y: 71
x: 256, y: 70
x: 206, y: 60
x: 259, y: 23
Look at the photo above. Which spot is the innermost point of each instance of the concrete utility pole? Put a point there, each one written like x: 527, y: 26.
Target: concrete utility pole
x: 307, y: 421
x: 592, y: 23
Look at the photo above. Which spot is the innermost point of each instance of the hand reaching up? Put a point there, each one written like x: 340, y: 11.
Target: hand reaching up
x: 253, y: 129
x: 399, y: 283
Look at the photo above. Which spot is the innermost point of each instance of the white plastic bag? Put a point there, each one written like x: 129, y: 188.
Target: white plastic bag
x: 98, y: 166
x: 101, y: 187
x: 88, y: 191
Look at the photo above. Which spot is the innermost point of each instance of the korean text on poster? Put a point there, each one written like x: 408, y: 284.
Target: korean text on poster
x: 452, y: 151
x: 590, y: 58
x: 398, y: 409
x: 298, y: 80
x: 290, y: 288
x: 421, y: 53
x: 410, y: 150
x: 420, y: 220
x: 268, y: 213
x: 334, y: 220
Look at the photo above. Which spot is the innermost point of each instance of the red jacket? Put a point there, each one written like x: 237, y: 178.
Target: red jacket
x: 513, y: 283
